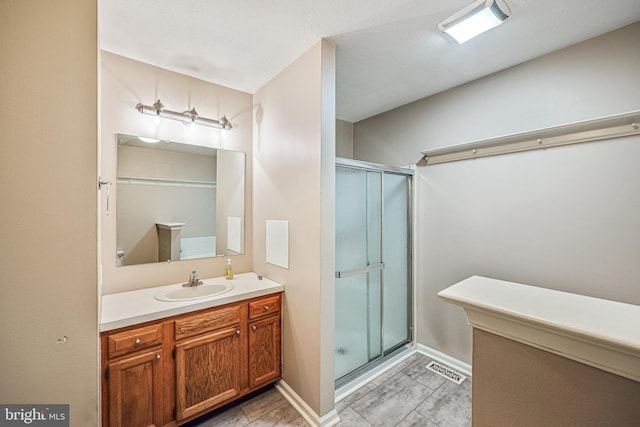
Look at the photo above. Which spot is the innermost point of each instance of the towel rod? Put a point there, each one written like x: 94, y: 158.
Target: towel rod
x: 165, y: 181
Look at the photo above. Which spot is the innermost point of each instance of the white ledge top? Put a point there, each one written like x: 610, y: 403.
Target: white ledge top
x: 133, y: 307
x: 600, y: 333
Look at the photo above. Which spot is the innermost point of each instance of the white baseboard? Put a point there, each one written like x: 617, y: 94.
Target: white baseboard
x: 305, y: 410
x: 330, y: 419
x: 439, y: 356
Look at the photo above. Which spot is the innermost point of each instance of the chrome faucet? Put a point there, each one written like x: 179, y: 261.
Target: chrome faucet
x: 193, y: 280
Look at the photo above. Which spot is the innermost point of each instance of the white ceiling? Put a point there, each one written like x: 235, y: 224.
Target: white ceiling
x: 389, y: 53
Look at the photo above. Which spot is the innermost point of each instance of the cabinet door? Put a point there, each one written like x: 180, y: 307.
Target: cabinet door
x: 207, y: 371
x: 135, y: 391
x: 264, y: 351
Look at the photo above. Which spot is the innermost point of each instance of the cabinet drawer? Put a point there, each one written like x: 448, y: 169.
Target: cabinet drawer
x: 264, y: 307
x: 134, y: 340
x: 210, y: 321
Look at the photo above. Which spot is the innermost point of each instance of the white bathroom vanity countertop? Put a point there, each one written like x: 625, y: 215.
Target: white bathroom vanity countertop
x: 600, y: 333
x: 133, y: 307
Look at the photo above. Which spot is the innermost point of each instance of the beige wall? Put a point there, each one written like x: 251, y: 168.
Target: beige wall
x: 344, y: 139
x: 124, y: 83
x: 48, y: 181
x: 518, y: 385
x: 294, y: 154
x: 563, y: 218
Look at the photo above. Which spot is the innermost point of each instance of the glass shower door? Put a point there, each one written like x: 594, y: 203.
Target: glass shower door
x: 359, y: 267
x: 373, y: 264
x: 396, y: 279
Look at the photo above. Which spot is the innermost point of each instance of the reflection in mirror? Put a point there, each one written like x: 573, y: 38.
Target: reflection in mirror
x: 177, y: 201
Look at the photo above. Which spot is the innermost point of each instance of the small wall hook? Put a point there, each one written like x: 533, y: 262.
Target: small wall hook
x: 101, y: 184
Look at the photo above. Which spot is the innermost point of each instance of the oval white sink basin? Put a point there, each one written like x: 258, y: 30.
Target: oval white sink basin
x: 194, y: 292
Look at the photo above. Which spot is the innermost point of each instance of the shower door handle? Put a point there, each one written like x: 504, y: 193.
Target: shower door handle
x: 361, y: 270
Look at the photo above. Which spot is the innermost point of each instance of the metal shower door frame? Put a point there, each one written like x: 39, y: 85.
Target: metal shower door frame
x: 374, y: 167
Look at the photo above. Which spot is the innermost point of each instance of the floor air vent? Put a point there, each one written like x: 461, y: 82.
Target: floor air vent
x: 443, y: 371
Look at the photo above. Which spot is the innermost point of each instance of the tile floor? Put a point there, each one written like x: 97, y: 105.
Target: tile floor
x: 406, y: 395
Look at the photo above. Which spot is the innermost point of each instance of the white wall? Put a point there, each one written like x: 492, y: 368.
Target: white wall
x: 294, y: 161
x: 124, y: 83
x: 48, y: 192
x: 564, y: 218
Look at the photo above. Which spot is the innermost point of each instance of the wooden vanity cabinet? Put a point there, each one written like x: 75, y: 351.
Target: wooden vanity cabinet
x: 208, y: 359
x: 264, y: 341
x: 136, y: 390
x: 134, y: 373
x: 168, y: 372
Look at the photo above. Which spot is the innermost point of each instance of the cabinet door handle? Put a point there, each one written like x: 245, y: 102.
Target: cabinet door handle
x: 158, y: 356
x: 266, y: 307
x: 253, y: 327
x: 137, y: 341
x: 237, y: 331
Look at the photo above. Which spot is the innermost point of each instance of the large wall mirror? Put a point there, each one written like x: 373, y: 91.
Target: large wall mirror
x: 177, y: 201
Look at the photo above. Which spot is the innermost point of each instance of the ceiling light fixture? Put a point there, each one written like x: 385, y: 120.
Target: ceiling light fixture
x: 190, y: 117
x: 478, y: 17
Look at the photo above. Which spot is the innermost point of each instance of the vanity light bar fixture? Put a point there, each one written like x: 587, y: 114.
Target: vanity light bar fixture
x: 190, y: 117
x: 475, y: 19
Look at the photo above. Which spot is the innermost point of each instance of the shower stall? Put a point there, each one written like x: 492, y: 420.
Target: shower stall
x: 373, y: 286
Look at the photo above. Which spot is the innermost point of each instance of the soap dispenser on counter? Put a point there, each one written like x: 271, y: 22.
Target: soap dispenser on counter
x: 228, y: 271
